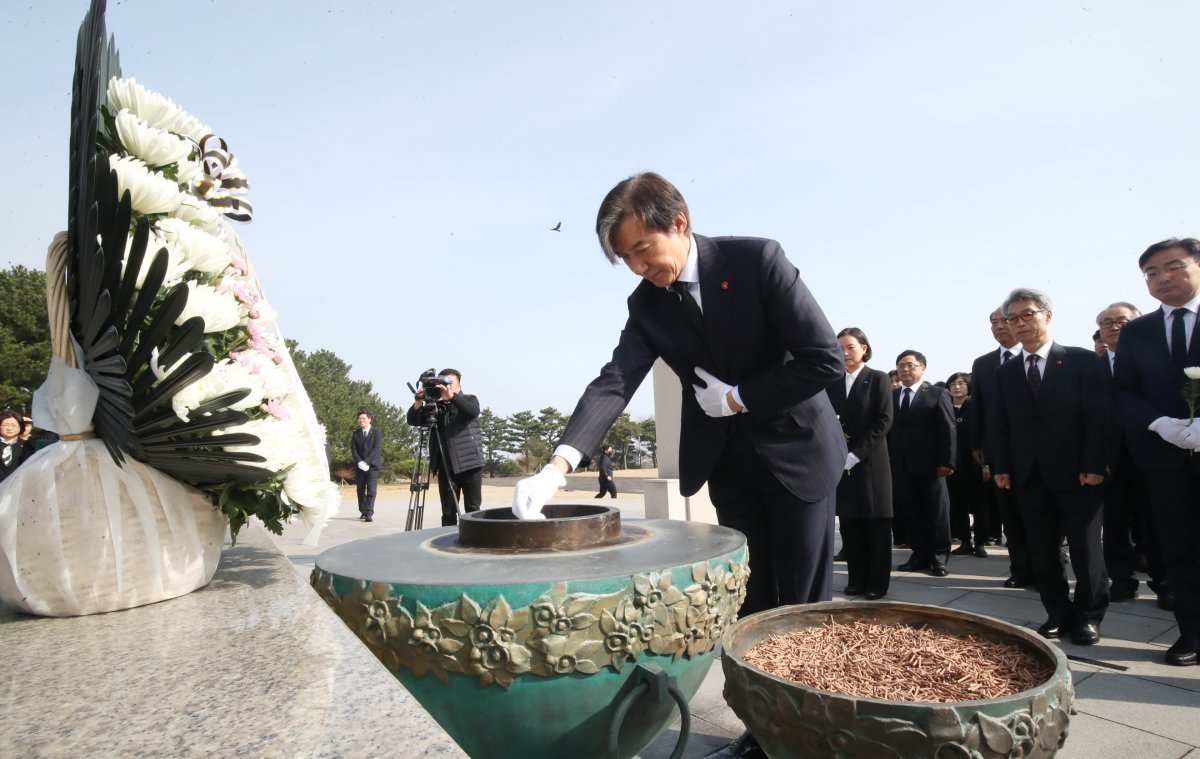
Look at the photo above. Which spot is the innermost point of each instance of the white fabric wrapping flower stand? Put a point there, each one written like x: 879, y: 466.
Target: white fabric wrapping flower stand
x: 80, y: 534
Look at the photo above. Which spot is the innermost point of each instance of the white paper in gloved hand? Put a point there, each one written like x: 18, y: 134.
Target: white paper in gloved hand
x: 364, y: 465
x: 531, y: 493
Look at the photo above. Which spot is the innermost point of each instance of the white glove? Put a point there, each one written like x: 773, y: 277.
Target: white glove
x: 532, y: 493
x: 714, y: 398
x: 364, y: 465
x: 851, y: 460
x: 1171, y: 430
x: 1191, y: 436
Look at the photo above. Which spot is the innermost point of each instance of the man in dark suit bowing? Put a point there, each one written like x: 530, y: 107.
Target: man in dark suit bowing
x: 735, y: 322
x: 921, y: 446
x: 1002, y: 507
x: 1050, y: 448
x: 1150, y: 379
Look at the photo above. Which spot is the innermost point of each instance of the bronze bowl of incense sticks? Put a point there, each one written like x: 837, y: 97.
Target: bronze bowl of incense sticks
x: 930, y: 682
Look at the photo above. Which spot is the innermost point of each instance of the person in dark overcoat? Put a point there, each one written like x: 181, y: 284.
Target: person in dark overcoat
x: 864, y: 496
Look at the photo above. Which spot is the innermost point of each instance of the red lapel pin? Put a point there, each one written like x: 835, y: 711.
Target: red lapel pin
x: 725, y: 285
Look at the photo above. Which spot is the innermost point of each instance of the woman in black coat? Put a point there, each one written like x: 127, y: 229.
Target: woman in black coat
x: 13, y: 450
x: 965, y: 486
x: 864, y: 496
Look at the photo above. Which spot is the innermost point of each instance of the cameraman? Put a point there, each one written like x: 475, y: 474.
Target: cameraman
x: 455, y: 437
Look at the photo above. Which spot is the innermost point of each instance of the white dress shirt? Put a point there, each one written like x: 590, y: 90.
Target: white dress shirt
x: 1189, y: 319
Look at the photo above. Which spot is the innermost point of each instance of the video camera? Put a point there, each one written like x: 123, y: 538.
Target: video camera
x: 435, y: 400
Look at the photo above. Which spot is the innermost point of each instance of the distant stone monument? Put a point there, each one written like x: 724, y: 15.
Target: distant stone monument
x: 663, y: 499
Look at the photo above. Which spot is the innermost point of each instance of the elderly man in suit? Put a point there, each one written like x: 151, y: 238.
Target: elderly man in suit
x: 1003, y: 507
x: 366, y: 448
x: 1126, y: 523
x: 921, y: 446
x: 1151, y: 383
x: 1050, y: 449
x: 734, y: 321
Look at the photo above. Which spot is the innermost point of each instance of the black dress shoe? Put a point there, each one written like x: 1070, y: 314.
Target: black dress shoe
x: 1166, y: 600
x: 938, y: 570
x: 745, y: 747
x: 1085, y: 635
x: 839, y: 556
x: 1018, y: 582
x: 964, y: 550
x: 981, y: 552
x: 1050, y: 630
x: 1120, y: 592
x: 913, y: 565
x: 368, y: 519
x: 874, y: 595
x: 1183, y: 653
x: 853, y: 590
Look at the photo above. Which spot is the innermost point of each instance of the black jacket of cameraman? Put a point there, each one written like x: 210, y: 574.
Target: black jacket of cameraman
x: 458, y: 429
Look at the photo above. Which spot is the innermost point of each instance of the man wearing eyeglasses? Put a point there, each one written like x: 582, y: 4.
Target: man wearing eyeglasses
x: 921, y: 447
x: 1125, y: 488
x: 1004, y: 509
x: 1050, y: 449
x: 1150, y: 379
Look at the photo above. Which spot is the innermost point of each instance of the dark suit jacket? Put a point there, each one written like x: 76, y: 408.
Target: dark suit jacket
x: 457, y: 432
x: 925, y: 437
x: 606, y: 466
x: 368, y: 447
x: 764, y: 332
x: 965, y: 420
x: 21, y: 450
x: 1149, y: 385
x: 865, y: 492
x: 1062, y: 432
x: 983, y: 387
x: 1118, y: 453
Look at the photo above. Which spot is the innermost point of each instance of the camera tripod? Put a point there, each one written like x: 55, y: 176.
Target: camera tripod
x: 419, y: 486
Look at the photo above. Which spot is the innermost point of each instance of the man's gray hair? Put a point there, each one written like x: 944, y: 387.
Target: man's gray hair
x: 1119, y: 304
x: 1027, y: 293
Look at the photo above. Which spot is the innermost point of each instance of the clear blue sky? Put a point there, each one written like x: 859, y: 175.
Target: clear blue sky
x: 917, y: 160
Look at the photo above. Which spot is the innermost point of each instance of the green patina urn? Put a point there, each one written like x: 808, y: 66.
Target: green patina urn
x: 573, y: 636
x: 794, y: 720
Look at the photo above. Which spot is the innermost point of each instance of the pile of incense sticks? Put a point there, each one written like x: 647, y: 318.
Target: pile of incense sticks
x: 898, y: 662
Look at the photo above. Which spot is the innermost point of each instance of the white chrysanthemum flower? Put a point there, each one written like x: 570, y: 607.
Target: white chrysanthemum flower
x: 280, y: 442
x: 277, y: 383
x: 204, y: 252
x: 149, y: 191
x: 220, y: 311
x: 224, y: 377
x: 188, y: 171
x: 1192, y: 372
x: 177, y: 264
x: 153, y: 146
x: 198, y: 213
x: 265, y: 311
x: 156, y: 110
x: 307, y: 486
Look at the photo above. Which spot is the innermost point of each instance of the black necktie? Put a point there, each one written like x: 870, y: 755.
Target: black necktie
x: 691, y: 308
x: 904, y: 399
x: 1035, y: 378
x: 1004, y: 358
x: 1179, y: 347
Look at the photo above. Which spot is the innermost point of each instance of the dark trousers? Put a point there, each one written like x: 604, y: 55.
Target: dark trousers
x: 923, y: 499
x: 790, y: 540
x: 365, y: 483
x: 469, y: 483
x: 868, y: 547
x: 1048, y: 515
x: 1175, y: 503
x: 1123, y: 496
x: 1020, y: 565
x: 965, y: 490
x: 607, y: 486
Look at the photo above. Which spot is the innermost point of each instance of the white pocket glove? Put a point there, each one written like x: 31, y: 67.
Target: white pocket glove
x: 1191, y: 436
x: 1171, y: 430
x: 714, y: 398
x: 851, y: 460
x: 532, y: 493
x: 364, y: 465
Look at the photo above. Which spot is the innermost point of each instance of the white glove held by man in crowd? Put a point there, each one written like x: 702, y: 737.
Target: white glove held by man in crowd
x: 851, y: 460
x: 1171, y: 430
x: 532, y: 493
x: 364, y: 465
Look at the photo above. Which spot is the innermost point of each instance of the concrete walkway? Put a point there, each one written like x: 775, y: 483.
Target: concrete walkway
x: 1130, y: 703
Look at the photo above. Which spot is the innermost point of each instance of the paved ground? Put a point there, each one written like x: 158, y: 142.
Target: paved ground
x: 1130, y: 702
